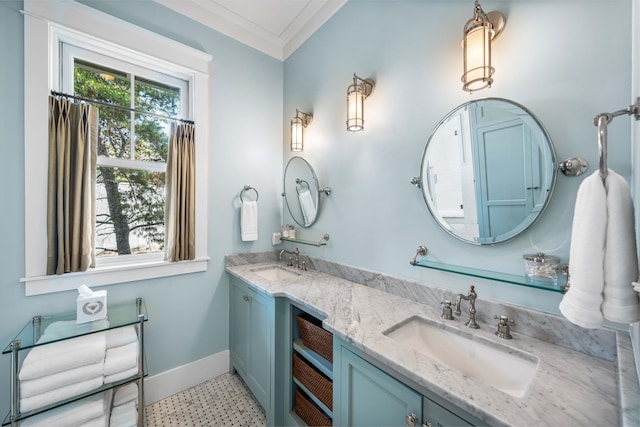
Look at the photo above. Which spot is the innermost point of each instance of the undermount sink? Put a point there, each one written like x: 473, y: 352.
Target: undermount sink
x: 275, y: 273
x: 487, y: 362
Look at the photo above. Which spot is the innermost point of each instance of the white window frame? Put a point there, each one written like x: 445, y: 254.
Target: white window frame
x: 47, y: 24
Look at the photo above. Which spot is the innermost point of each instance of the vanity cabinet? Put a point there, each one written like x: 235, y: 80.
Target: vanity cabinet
x: 252, y: 341
x: 367, y: 396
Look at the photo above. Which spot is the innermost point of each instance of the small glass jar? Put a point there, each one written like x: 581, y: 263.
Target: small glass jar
x: 541, y: 268
x: 285, y: 231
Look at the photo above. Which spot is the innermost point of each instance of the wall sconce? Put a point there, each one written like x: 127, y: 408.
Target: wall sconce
x: 298, y: 123
x: 356, y: 94
x: 478, y: 34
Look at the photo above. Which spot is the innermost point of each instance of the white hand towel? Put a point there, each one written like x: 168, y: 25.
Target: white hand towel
x: 61, y: 393
x: 63, y: 355
x: 96, y: 422
x: 121, y: 336
x: 125, y: 394
x: 119, y: 359
x: 121, y: 375
x: 72, y: 414
x: 581, y: 304
x: 307, y: 206
x: 620, y: 262
x: 249, y: 221
x: 124, y: 415
x: 51, y: 382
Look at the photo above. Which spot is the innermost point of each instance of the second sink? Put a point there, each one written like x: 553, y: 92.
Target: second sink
x: 490, y: 363
x: 275, y: 273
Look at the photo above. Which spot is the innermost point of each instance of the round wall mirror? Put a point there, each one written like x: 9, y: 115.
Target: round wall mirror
x: 488, y: 171
x: 301, y: 192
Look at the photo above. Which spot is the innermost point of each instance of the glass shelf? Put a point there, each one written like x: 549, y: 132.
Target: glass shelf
x: 321, y: 242
x: 118, y: 315
x: 514, y: 279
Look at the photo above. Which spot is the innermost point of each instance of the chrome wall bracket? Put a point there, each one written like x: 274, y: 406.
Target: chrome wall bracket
x: 422, y: 250
x: 416, y: 181
x: 574, y: 166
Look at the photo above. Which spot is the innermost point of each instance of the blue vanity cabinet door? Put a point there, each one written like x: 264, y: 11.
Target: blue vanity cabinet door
x: 366, y: 396
x: 438, y: 416
x: 252, y: 341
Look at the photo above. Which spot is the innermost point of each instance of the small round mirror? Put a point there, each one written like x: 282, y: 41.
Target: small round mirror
x: 488, y: 171
x: 301, y: 192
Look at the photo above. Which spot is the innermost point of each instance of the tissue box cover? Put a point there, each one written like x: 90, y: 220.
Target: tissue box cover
x: 92, y: 308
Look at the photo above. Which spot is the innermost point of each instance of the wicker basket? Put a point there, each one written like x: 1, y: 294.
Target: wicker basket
x: 309, y: 413
x: 314, y: 381
x: 316, y: 338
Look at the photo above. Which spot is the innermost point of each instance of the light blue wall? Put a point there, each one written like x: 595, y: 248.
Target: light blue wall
x: 188, y: 314
x: 565, y: 60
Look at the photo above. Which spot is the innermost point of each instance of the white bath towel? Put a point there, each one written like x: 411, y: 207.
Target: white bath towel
x: 603, y: 261
x: 581, y: 304
x: 124, y: 415
x: 307, y: 206
x: 61, y: 393
x: 63, y: 355
x: 620, y: 262
x: 72, y: 414
x: 51, y: 382
x: 121, y: 336
x: 249, y: 221
x: 119, y: 359
x: 125, y: 394
x: 121, y: 375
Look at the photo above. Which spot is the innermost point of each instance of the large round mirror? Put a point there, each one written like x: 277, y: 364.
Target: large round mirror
x: 301, y: 192
x: 488, y: 171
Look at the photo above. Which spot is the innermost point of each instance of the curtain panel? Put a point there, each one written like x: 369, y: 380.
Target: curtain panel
x: 73, y: 136
x: 180, y: 194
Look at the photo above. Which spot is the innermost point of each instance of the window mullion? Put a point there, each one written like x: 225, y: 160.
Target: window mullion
x: 132, y: 105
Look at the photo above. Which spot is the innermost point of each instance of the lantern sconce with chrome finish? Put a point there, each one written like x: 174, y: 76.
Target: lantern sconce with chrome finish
x: 298, y: 123
x: 360, y: 90
x: 478, y: 34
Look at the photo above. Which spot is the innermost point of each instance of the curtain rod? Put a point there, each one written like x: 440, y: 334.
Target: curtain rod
x: 120, y: 107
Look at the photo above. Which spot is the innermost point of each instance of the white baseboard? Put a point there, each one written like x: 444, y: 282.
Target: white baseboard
x: 168, y: 383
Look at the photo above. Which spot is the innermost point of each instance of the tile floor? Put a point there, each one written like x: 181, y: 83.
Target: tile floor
x: 222, y: 401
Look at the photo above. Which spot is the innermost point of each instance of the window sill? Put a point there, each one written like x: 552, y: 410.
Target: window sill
x: 110, y: 275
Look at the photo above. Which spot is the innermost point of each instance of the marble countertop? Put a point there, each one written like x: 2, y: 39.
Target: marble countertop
x: 570, y: 388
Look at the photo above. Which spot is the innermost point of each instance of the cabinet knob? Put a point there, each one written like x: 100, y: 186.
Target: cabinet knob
x: 246, y: 297
x: 411, y: 420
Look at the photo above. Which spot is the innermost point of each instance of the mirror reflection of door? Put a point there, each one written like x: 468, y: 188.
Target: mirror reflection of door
x: 488, y: 171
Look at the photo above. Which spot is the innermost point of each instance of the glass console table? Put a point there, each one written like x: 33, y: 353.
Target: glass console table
x: 118, y: 316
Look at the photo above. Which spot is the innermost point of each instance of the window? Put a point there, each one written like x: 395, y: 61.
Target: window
x: 110, y: 60
x: 132, y: 148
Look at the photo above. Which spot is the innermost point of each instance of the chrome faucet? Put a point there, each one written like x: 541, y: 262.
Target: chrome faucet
x: 290, y: 262
x: 471, y: 297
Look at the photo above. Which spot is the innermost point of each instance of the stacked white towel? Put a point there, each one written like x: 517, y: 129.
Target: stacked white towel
x: 124, y: 412
x: 61, y: 370
x: 249, y: 220
x: 603, y: 263
x: 90, y: 411
x: 121, y: 360
x: 308, y: 207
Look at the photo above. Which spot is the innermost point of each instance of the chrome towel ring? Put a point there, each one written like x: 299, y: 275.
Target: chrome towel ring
x: 247, y: 188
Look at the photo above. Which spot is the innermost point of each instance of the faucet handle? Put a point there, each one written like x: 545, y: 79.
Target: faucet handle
x: 504, y: 327
x: 447, y: 311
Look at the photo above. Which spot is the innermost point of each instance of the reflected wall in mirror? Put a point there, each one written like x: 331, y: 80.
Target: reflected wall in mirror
x: 488, y: 171
x: 301, y: 191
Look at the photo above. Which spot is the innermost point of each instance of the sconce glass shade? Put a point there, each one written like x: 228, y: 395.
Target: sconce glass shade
x: 478, y: 34
x: 298, y: 123
x: 356, y: 94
